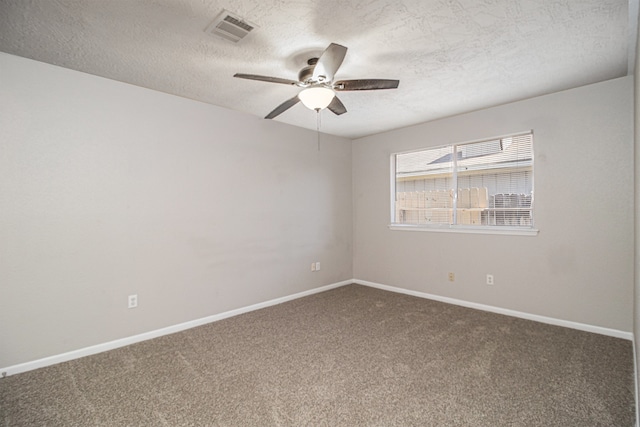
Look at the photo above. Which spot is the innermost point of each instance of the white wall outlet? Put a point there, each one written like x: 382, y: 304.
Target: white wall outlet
x: 318, y: 266
x: 452, y: 277
x: 489, y: 279
x: 132, y: 301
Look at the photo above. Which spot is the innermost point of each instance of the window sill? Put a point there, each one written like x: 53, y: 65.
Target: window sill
x: 512, y: 231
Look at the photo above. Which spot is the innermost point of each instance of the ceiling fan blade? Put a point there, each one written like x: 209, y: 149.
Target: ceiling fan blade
x: 283, y: 107
x: 329, y: 62
x: 267, y: 79
x: 366, y: 84
x: 337, y: 107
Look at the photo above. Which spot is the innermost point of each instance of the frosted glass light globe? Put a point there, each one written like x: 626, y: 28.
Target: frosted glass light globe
x: 316, y: 98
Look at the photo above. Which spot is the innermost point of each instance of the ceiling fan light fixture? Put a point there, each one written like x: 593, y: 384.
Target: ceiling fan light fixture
x: 316, y: 98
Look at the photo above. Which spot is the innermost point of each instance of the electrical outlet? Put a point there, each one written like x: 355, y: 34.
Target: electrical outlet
x: 132, y: 301
x: 318, y: 266
x: 489, y: 279
x: 452, y: 277
x: 313, y: 266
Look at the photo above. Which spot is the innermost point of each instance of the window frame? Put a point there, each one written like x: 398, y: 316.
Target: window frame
x: 459, y: 228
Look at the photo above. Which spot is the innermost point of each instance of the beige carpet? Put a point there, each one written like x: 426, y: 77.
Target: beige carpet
x: 353, y: 356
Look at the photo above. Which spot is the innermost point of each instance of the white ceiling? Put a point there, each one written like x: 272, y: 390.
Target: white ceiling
x: 451, y: 56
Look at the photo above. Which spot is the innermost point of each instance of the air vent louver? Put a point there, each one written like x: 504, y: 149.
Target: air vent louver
x: 230, y: 27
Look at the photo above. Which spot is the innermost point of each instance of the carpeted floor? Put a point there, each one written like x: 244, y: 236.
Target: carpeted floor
x: 352, y: 356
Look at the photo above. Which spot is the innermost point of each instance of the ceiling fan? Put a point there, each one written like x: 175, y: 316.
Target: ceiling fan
x: 317, y: 80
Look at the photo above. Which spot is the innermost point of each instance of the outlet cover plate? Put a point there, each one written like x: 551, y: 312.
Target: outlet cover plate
x: 132, y: 301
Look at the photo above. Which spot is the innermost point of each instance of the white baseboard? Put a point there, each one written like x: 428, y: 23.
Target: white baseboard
x: 543, y: 319
x: 111, y: 345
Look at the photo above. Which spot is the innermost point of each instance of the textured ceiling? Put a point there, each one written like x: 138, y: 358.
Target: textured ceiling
x: 451, y: 56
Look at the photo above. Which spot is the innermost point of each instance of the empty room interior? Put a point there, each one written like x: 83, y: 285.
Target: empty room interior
x: 292, y: 213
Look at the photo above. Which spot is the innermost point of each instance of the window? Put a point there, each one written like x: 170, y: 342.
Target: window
x: 479, y: 185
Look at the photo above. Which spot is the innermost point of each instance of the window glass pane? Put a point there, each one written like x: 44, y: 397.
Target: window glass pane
x: 487, y: 183
x: 424, y: 182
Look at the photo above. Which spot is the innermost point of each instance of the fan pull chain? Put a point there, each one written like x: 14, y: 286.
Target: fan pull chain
x: 318, y: 126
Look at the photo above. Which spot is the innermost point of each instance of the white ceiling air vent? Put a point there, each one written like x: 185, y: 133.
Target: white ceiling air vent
x: 230, y: 27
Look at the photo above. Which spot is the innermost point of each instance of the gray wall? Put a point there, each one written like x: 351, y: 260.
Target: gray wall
x: 578, y: 268
x: 108, y: 189
x: 636, y: 298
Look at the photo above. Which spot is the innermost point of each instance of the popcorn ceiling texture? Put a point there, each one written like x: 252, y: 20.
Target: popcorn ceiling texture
x: 450, y: 56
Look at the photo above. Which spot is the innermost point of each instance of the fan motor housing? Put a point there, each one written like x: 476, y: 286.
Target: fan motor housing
x: 305, y: 75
